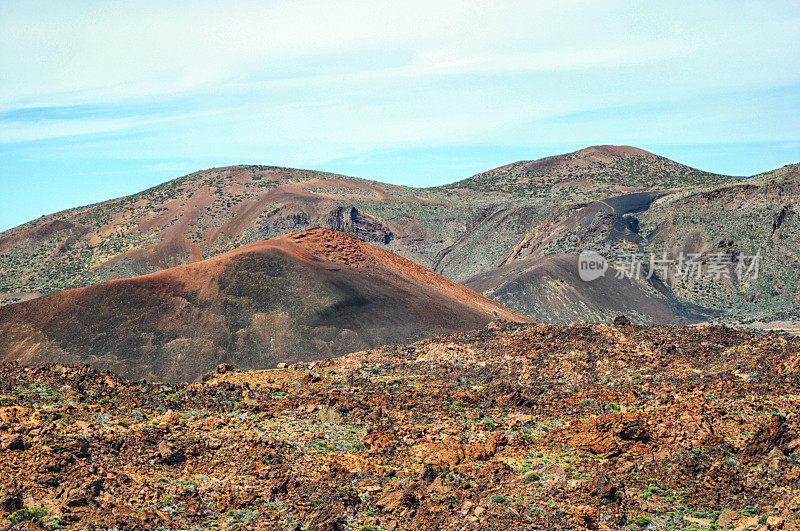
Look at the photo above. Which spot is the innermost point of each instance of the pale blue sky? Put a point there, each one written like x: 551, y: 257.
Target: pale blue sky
x: 99, y: 100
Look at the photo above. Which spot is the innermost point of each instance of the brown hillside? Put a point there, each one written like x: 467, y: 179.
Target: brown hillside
x: 302, y: 296
x: 458, y: 230
x: 590, y: 173
x: 615, y: 200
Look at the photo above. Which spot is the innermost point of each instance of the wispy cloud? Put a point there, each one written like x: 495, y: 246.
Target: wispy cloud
x: 313, y: 82
x: 87, y: 52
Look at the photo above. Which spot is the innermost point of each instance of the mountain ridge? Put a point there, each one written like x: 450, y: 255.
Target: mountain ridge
x: 555, y: 205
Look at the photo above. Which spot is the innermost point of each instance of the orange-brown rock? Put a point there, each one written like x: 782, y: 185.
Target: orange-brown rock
x: 441, y: 434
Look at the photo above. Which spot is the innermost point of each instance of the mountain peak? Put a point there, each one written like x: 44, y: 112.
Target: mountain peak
x: 614, y: 151
x: 322, y: 242
x: 589, y: 173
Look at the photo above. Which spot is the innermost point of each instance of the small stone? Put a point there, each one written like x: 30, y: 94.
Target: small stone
x: 10, y: 498
x: 775, y: 522
x: 12, y: 441
x: 168, y: 420
x: 621, y: 320
x: 329, y: 414
x: 727, y: 516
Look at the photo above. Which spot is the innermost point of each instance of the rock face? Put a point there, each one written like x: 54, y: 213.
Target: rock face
x: 513, y: 426
x: 363, y: 227
x: 610, y: 435
x: 304, y: 296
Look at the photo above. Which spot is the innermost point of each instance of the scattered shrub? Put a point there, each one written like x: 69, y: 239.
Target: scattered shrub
x: 27, y: 514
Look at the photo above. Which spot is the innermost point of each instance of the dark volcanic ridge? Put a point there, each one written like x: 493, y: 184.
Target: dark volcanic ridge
x: 549, y: 290
x: 303, y: 296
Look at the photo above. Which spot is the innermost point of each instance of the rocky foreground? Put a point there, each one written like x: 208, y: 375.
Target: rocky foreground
x: 511, y: 427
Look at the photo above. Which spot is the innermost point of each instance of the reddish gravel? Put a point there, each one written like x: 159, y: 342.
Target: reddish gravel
x: 509, y: 427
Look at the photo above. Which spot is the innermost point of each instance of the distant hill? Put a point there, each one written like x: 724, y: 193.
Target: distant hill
x: 616, y: 200
x: 209, y: 212
x: 591, y: 173
x: 307, y: 295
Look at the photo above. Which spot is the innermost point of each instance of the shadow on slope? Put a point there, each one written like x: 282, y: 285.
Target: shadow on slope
x: 303, y: 296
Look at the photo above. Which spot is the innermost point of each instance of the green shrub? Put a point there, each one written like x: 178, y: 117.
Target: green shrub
x: 500, y: 499
x: 649, y: 491
x: 22, y: 515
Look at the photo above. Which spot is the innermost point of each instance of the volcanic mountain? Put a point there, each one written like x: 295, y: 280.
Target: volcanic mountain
x: 302, y: 296
x: 591, y: 173
x: 561, y: 296
x: 458, y: 230
x: 507, y: 232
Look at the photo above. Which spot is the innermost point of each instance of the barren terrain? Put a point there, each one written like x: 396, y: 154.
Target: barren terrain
x: 513, y: 426
x: 303, y: 296
x: 498, y: 230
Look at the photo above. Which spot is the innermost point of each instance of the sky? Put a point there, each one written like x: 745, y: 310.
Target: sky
x: 104, y: 99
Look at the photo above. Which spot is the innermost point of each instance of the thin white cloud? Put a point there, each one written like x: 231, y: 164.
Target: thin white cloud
x: 46, y: 129
x: 319, y: 79
x: 85, y: 51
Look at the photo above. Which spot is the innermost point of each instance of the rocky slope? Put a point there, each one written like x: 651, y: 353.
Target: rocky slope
x: 721, y: 226
x: 757, y: 216
x: 549, y: 290
x: 306, y: 295
x: 510, y: 427
x: 616, y: 200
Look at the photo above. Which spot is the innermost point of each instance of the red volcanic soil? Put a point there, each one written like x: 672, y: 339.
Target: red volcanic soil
x: 307, y: 295
x: 510, y: 427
